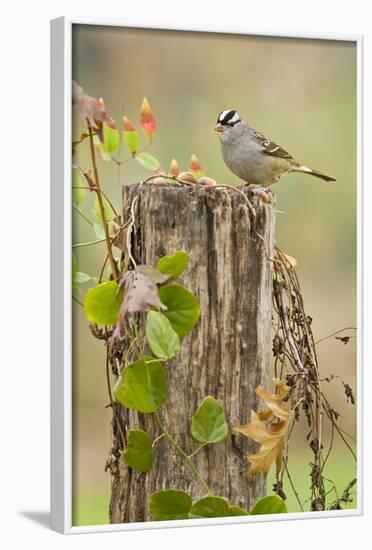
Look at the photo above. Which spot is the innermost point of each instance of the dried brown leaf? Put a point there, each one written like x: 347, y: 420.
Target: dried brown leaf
x: 274, y: 400
x: 92, y: 109
x: 270, y: 435
x: 120, y: 239
x: 344, y: 339
x: 290, y: 261
x: 140, y: 293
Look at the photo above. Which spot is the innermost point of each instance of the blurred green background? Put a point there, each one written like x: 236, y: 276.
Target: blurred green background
x: 302, y: 94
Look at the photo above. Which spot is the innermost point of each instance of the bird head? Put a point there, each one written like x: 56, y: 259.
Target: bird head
x: 226, y: 121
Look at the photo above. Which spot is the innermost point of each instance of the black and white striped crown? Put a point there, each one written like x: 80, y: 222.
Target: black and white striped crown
x: 228, y: 118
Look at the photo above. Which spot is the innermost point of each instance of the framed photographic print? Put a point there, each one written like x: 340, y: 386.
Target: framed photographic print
x: 206, y: 276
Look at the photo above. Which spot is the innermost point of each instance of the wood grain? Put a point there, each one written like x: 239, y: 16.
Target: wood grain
x: 226, y: 355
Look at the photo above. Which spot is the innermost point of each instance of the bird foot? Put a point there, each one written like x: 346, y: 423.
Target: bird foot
x: 261, y: 192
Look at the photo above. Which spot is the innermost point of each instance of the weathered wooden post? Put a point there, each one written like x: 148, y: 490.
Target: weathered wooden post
x: 225, y: 356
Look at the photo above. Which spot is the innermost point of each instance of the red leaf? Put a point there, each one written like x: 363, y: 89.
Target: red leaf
x: 174, y: 169
x: 195, y: 167
x: 127, y: 125
x: 147, y: 120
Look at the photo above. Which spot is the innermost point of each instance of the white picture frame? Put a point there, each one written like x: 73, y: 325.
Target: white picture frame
x: 61, y: 287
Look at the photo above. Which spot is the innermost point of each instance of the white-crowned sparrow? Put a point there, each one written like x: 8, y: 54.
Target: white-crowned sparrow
x: 252, y: 157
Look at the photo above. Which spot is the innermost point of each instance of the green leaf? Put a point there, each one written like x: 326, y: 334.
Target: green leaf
x: 173, y: 265
x: 99, y: 231
x: 269, y: 505
x: 138, y: 453
x: 109, y: 215
x: 237, y: 511
x: 142, y: 386
x: 148, y: 161
x: 210, y: 507
x: 170, y: 504
x: 208, y: 424
x: 163, y: 340
x: 101, y: 152
x: 183, y: 310
x: 74, y: 272
x: 102, y: 303
x: 132, y: 141
x: 153, y: 274
x: 111, y: 139
x: 78, y: 195
x: 81, y: 277
x: 74, y: 268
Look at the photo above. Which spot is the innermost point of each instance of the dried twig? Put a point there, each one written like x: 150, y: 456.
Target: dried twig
x: 294, y: 346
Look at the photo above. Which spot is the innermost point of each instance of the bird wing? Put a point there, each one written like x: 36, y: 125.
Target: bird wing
x: 270, y: 147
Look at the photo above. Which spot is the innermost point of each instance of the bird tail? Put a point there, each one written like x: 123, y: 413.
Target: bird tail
x: 311, y: 172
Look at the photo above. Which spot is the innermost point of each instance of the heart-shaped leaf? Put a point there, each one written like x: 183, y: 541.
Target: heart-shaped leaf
x: 173, y: 265
x: 102, y: 303
x: 148, y: 161
x: 269, y: 505
x: 237, y: 511
x: 153, y: 274
x: 163, y: 340
x: 81, y: 277
x: 170, y: 504
x: 210, y: 507
x: 142, y: 386
x: 183, y: 310
x: 208, y: 424
x: 138, y: 453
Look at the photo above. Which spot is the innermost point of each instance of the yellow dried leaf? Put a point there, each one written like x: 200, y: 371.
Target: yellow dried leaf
x: 269, y: 435
x: 290, y: 260
x: 274, y: 400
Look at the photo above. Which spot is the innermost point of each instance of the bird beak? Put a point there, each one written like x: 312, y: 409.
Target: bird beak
x: 219, y: 128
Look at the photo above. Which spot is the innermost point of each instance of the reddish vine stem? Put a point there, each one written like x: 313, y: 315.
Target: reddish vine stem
x: 101, y: 205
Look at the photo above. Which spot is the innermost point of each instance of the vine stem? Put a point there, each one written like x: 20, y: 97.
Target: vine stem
x: 89, y: 243
x: 334, y: 334
x: 101, y: 205
x: 197, y: 450
x: 77, y: 301
x: 108, y: 371
x: 157, y: 439
x: 79, y: 211
x: 182, y: 453
x: 292, y: 485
